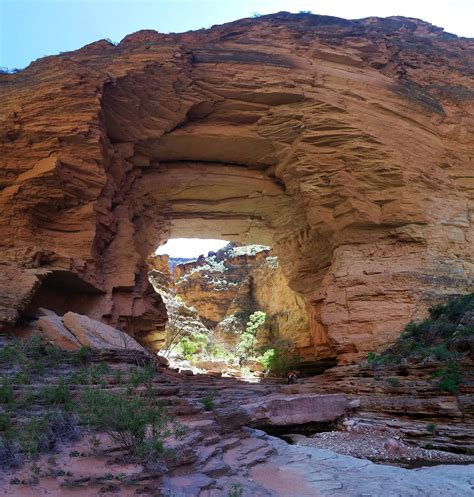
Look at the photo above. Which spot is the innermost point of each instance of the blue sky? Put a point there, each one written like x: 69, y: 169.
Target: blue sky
x: 30, y: 29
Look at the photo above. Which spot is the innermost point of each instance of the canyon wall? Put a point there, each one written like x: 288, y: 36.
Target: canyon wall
x: 345, y: 145
x: 227, y: 286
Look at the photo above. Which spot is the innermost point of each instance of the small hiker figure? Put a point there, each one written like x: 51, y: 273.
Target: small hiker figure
x: 292, y: 377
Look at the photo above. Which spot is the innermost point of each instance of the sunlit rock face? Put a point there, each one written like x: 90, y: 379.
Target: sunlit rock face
x: 345, y: 145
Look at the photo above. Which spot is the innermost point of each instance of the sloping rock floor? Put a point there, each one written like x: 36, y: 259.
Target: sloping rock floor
x: 222, y: 459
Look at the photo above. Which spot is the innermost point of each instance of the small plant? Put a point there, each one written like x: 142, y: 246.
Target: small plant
x: 5, y: 422
x: 431, y: 427
x: 10, y: 455
x: 83, y: 355
x: 280, y: 361
x: 373, y: 359
x: 143, y: 376
x: 394, y: 382
x: 208, y: 401
x: 180, y: 431
x: 7, y: 395
x: 236, y: 490
x: 95, y: 442
x: 56, y: 395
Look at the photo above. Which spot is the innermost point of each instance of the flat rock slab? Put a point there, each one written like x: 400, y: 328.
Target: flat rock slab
x: 307, y: 471
x: 282, y: 410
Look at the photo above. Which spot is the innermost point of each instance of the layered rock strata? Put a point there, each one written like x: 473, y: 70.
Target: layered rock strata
x: 345, y: 145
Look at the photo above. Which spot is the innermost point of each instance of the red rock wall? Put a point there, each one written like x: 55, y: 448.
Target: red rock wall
x: 346, y: 145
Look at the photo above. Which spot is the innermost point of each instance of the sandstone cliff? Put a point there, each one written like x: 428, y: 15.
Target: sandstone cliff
x: 345, y: 145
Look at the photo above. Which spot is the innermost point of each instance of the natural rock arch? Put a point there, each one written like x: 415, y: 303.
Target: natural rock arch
x: 343, y: 144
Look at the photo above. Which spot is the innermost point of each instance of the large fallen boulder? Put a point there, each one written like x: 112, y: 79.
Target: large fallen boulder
x: 73, y: 331
x: 98, y: 335
x: 53, y: 330
x: 282, y: 410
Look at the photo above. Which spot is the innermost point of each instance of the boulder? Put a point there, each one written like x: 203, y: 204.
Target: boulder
x: 254, y: 365
x: 282, y: 410
x: 98, y: 335
x: 212, y: 365
x: 53, y: 330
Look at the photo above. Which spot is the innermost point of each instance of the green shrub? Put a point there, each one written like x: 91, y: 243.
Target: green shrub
x: 83, y: 355
x: 188, y: 347
x: 394, y: 382
x: 10, y: 455
x: 373, y: 358
x: 431, y: 427
x: 236, y: 490
x: 131, y: 422
x: 219, y: 352
x: 453, y: 311
x: 279, y: 361
x: 7, y: 395
x: 208, y: 401
x: 5, y: 422
x: 450, y: 378
x: 44, y: 433
x: 56, y: 394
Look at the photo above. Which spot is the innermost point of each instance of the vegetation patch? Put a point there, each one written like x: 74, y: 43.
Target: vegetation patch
x: 35, y: 421
x: 437, y: 338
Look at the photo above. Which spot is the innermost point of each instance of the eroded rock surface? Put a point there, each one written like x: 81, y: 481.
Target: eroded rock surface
x: 345, y: 145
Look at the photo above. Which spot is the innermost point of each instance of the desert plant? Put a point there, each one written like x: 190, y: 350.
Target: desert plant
x: 10, y: 454
x: 453, y: 310
x: 431, y: 427
x: 207, y: 401
x: 44, y: 433
x: 279, y: 361
x: 131, y: 422
x: 7, y: 395
x: 235, y: 490
x: 450, y: 378
x: 56, y: 394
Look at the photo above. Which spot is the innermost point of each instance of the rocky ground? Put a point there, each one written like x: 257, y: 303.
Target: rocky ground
x: 379, y: 447
x: 220, y: 455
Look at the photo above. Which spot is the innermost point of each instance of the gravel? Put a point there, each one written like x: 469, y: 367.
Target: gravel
x: 386, y: 448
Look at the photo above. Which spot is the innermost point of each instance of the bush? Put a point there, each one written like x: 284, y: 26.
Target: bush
x: 5, y: 422
x: 431, y: 427
x: 279, y: 361
x: 44, y: 433
x: 130, y: 422
x: 453, y: 311
x: 219, y: 352
x: 450, y: 378
x: 208, y: 401
x: 56, y: 395
x: 188, y: 347
x: 7, y: 396
x: 10, y: 455
x: 192, y: 344
x: 394, y: 382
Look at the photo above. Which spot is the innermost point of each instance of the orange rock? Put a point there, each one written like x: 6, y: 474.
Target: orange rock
x: 345, y: 145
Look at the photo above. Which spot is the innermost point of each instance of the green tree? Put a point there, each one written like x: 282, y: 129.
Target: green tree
x: 248, y: 339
